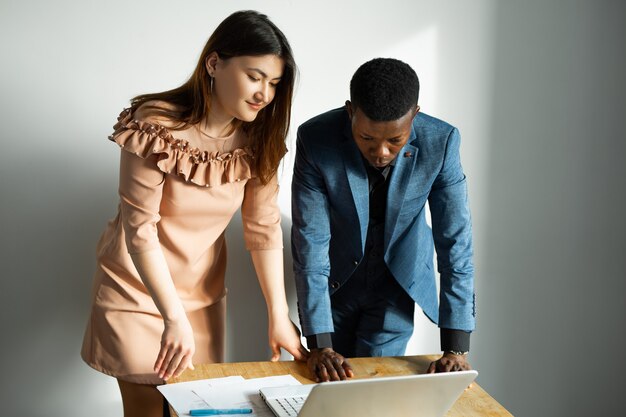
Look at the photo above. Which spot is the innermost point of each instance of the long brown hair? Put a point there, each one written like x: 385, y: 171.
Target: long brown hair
x: 243, y: 33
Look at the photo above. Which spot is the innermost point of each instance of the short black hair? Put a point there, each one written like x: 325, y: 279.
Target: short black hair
x: 384, y: 89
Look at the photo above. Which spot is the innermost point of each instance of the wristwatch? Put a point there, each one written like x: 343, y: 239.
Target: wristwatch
x: 456, y: 352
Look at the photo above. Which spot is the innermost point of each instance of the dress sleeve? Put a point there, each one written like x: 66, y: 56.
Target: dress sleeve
x: 140, y: 189
x: 261, y: 216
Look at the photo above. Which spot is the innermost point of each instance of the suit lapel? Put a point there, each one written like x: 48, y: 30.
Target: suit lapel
x: 357, y: 178
x: 398, y: 184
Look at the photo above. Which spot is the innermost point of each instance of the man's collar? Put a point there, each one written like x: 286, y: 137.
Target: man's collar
x: 384, y: 171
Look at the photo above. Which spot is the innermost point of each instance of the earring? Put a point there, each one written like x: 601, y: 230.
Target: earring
x: 211, y: 82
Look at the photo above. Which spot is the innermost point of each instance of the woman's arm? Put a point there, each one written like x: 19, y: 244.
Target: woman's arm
x: 141, y: 184
x: 282, y: 332
x: 177, y: 342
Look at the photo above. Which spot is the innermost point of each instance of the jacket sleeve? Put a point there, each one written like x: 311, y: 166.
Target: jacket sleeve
x: 310, y: 239
x: 452, y: 234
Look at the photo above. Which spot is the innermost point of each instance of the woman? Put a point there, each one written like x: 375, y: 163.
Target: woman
x: 190, y: 158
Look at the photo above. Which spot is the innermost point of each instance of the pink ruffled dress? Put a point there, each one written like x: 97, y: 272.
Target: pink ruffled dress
x: 177, y: 196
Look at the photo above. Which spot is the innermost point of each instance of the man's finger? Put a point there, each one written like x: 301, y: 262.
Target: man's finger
x: 347, y: 369
x: 330, y: 367
x: 432, y: 368
x: 322, y: 373
x: 313, y: 369
x: 338, y: 364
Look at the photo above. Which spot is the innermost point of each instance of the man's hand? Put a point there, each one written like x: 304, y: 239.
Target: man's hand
x: 449, y: 362
x: 327, y: 365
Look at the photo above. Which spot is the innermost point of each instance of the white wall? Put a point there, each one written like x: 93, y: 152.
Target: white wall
x: 536, y: 89
x: 552, y: 279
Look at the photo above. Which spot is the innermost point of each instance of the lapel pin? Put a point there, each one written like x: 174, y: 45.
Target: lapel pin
x: 407, y: 154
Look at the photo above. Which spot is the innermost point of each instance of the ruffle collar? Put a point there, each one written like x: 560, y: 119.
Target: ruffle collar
x: 176, y: 156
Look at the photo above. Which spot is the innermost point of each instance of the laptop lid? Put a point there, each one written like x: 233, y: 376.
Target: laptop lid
x: 424, y: 395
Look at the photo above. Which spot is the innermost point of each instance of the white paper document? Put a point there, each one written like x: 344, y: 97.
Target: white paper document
x: 182, y: 398
x: 228, y: 392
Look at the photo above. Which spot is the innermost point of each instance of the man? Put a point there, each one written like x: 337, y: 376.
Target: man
x: 362, y: 249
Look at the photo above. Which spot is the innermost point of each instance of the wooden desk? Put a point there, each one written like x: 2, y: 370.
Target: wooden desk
x: 473, y: 402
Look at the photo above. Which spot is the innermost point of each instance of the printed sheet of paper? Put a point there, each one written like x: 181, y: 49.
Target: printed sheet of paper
x: 244, y: 394
x: 228, y: 392
x: 182, y: 398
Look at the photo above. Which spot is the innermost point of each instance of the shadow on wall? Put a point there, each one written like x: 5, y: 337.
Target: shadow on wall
x: 48, y: 242
x: 553, y: 281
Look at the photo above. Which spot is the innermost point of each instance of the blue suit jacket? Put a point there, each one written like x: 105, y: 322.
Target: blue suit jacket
x: 330, y: 212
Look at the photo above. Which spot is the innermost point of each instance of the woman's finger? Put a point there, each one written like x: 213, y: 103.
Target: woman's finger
x: 275, y: 353
x: 304, y: 351
x: 166, y: 363
x: 173, y: 365
x: 160, y: 358
x: 184, y: 364
x: 298, y: 352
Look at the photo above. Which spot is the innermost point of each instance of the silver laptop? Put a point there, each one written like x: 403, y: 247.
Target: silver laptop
x: 425, y: 395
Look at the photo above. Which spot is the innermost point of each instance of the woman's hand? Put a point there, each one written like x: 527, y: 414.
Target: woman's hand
x: 177, y: 349
x: 283, y: 333
x: 177, y: 343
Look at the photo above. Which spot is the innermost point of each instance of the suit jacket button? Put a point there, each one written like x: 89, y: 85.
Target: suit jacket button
x: 356, y: 263
x: 334, y: 285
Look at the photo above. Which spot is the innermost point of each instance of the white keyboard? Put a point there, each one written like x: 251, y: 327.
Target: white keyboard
x: 289, y: 407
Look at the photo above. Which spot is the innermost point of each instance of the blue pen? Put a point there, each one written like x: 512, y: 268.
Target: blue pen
x: 219, y: 411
